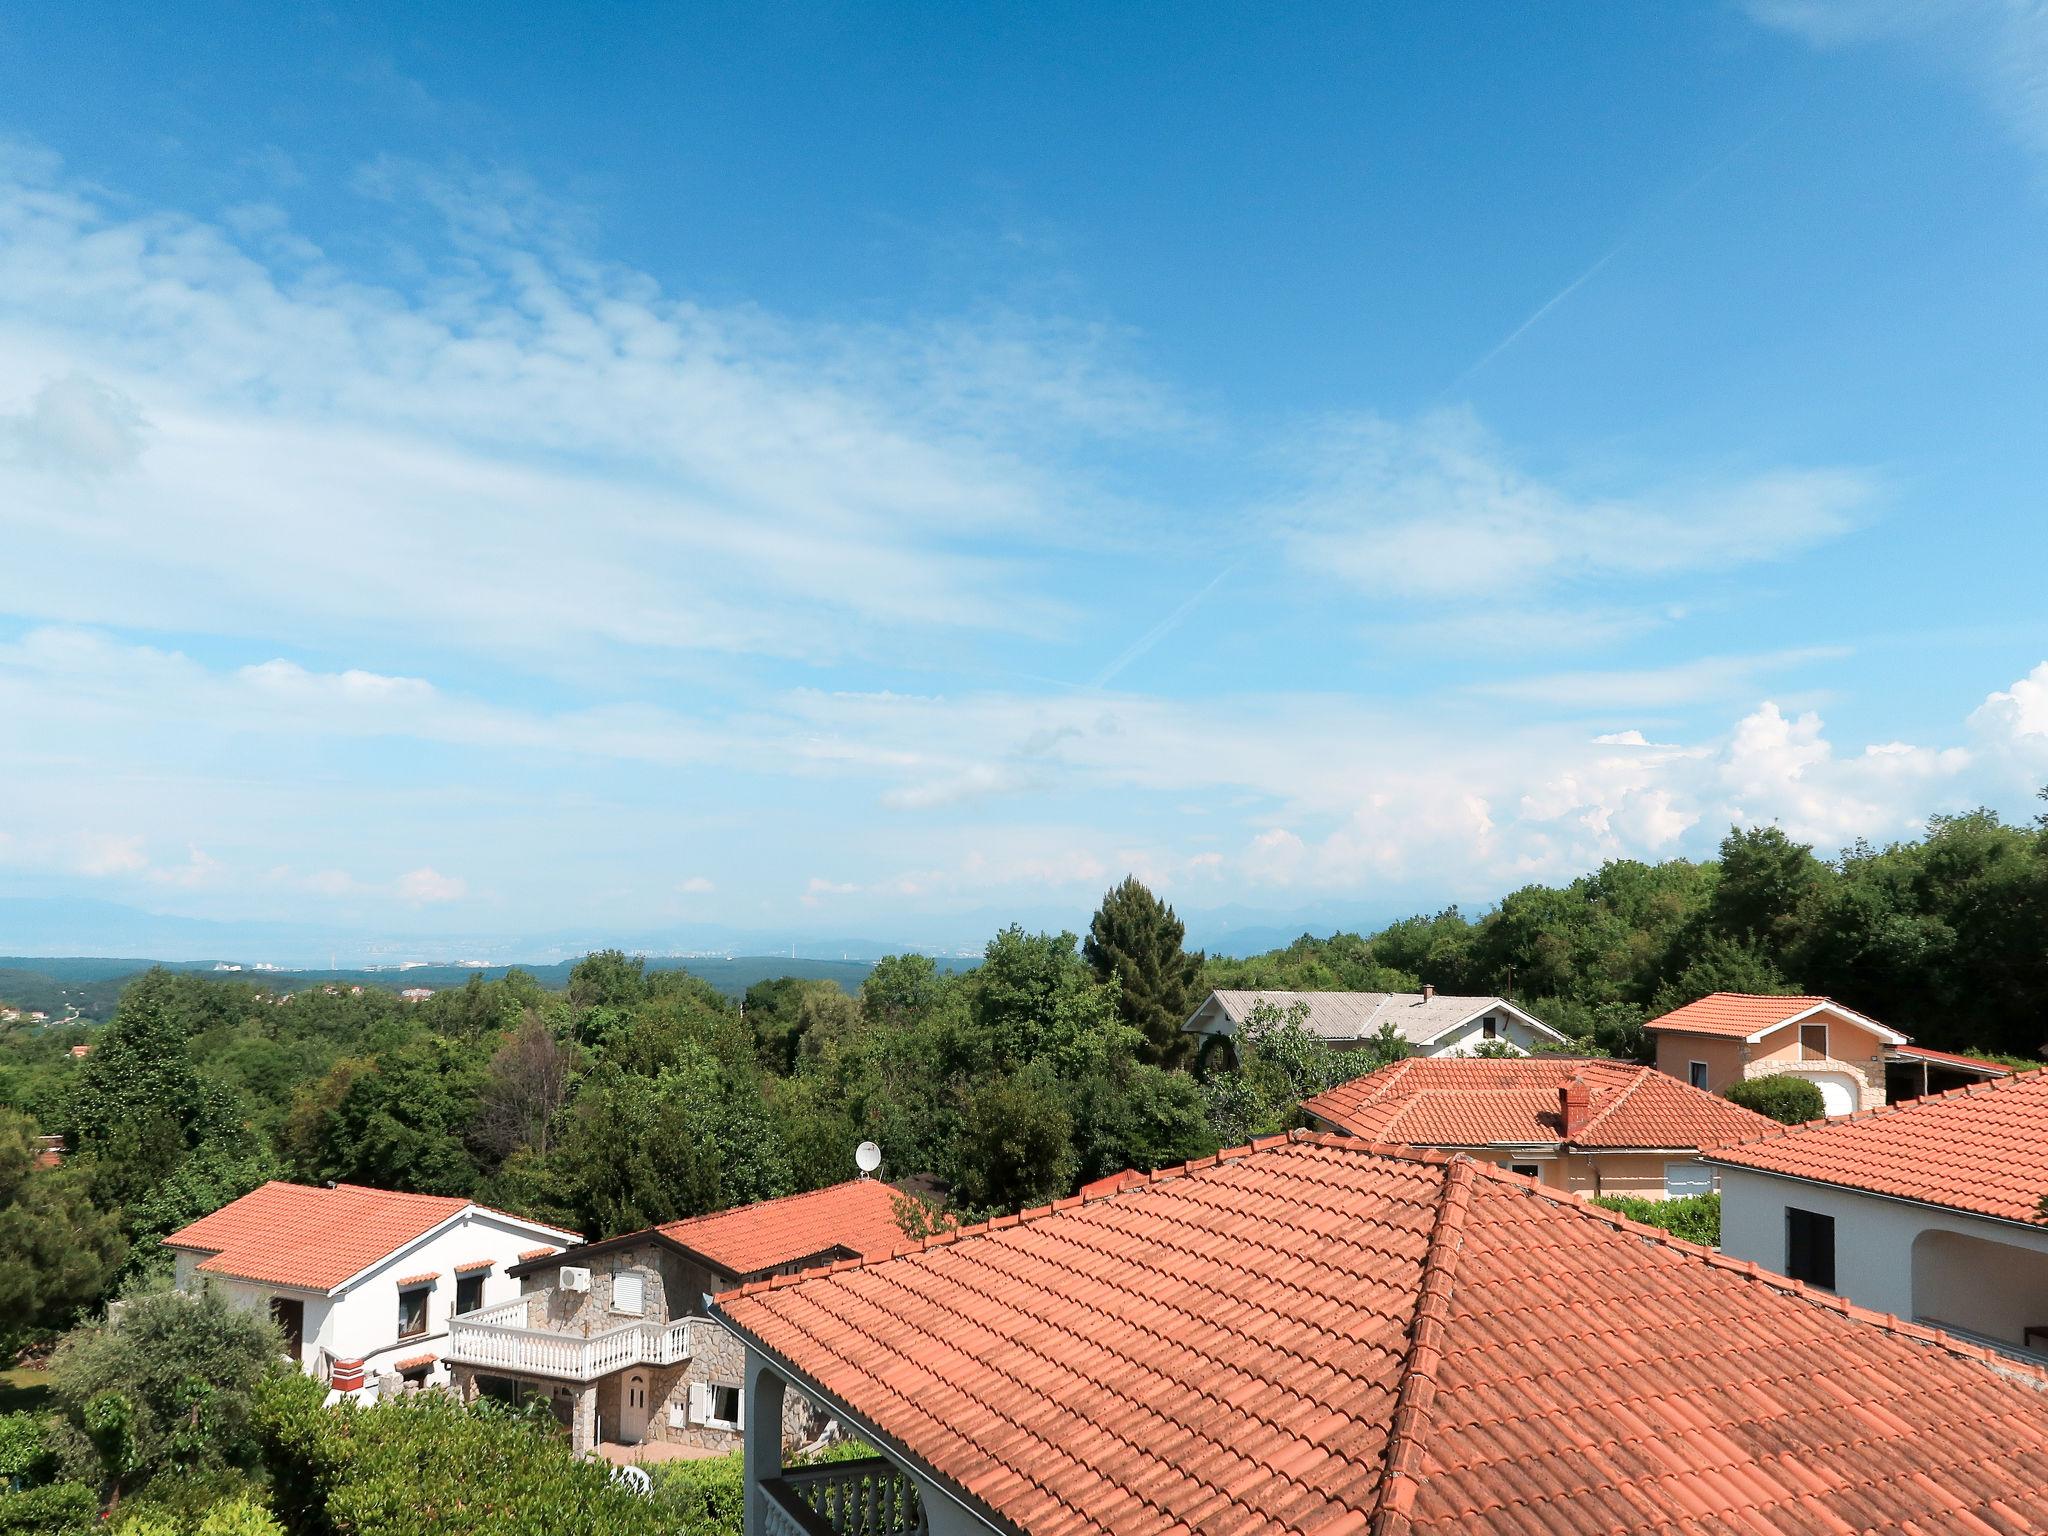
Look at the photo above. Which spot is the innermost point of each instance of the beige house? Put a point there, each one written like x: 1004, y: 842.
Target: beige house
x: 1590, y: 1127
x: 614, y: 1335
x: 1727, y: 1037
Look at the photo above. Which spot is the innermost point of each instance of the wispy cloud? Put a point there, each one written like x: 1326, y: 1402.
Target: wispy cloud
x: 1999, y: 46
x: 1436, y: 509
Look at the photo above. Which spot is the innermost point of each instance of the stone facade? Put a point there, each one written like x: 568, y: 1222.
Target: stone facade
x: 672, y: 1288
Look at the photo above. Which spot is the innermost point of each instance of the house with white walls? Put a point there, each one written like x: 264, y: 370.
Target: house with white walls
x: 1429, y: 1022
x: 1931, y: 1209
x: 362, y: 1282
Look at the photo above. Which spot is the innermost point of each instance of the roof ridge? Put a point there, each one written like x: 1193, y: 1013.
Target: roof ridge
x: 1401, y: 1473
x: 1826, y: 1122
x: 1615, y: 1101
x: 1334, y: 1141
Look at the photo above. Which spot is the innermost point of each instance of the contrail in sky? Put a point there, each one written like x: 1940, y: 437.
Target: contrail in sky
x: 1159, y: 631
x: 1628, y: 238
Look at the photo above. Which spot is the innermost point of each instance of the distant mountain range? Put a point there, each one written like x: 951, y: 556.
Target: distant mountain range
x: 81, y: 928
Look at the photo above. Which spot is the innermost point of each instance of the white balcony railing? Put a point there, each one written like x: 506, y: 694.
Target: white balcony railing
x: 868, y: 1497
x: 488, y: 1339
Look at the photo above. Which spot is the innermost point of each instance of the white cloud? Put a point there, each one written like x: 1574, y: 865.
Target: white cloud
x: 535, y: 456
x: 1999, y: 46
x: 1688, y: 682
x: 74, y: 424
x: 1433, y: 509
x: 424, y: 885
x: 696, y: 885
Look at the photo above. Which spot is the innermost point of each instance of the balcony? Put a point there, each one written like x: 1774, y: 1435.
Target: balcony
x: 490, y: 1339
x: 869, y: 1497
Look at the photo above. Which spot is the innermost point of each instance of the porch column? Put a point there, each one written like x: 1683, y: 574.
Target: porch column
x: 762, y: 1412
x: 583, y: 1420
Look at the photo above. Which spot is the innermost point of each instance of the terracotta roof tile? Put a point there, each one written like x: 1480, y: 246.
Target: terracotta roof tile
x: 425, y: 1277
x: 414, y: 1362
x: 1448, y: 1101
x: 1323, y: 1335
x: 311, y: 1238
x: 475, y: 1265
x: 1950, y: 1059
x: 857, y: 1217
x: 1982, y: 1149
x: 1738, y: 1015
x: 528, y: 1255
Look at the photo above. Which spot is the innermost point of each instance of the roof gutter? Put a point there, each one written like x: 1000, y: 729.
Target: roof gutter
x: 889, y: 1443
x: 1876, y: 1194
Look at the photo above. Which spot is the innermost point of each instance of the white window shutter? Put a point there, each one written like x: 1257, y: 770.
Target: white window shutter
x: 700, y: 1401
x: 629, y: 1294
x: 739, y: 1406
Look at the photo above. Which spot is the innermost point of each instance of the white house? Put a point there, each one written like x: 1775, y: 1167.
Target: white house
x: 1930, y: 1209
x: 1433, y: 1023
x: 363, y: 1281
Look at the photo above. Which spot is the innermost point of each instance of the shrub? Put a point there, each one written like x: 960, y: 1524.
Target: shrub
x: 699, y: 1498
x: 1784, y: 1098
x: 25, y: 1452
x: 426, y: 1465
x: 57, y: 1509
x: 1695, y: 1218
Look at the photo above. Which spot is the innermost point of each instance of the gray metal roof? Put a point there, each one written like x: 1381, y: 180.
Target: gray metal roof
x: 1352, y: 1015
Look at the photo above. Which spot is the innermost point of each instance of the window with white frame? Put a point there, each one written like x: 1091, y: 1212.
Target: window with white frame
x: 1489, y: 1028
x: 1682, y: 1179
x: 715, y: 1404
x: 629, y: 1294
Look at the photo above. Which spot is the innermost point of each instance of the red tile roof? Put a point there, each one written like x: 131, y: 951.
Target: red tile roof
x: 1738, y: 1015
x: 312, y: 1238
x: 414, y: 1362
x: 1950, y: 1059
x: 1320, y: 1335
x: 857, y: 1217
x: 1982, y: 1149
x: 1450, y: 1101
x: 474, y: 1265
x: 528, y: 1255
x: 427, y: 1277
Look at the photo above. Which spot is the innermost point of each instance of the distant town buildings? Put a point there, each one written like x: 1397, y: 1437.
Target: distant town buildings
x: 416, y: 994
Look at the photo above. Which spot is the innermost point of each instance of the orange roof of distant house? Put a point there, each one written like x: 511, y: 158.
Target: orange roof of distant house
x: 1744, y: 1015
x: 1314, y: 1334
x: 1453, y: 1101
x: 857, y: 1217
x: 1982, y: 1149
x: 314, y: 1238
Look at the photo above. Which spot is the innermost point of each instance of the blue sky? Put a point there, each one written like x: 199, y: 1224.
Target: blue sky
x: 861, y: 470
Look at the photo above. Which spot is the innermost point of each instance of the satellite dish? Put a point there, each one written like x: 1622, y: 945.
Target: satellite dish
x: 867, y: 1157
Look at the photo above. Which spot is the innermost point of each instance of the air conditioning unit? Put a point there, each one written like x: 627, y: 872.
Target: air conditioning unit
x: 574, y: 1278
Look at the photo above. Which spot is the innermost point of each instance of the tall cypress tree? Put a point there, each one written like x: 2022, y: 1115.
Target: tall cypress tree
x: 1135, y: 937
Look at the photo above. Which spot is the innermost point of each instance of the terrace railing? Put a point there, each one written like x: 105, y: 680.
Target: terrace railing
x: 869, y: 1497
x: 488, y: 1340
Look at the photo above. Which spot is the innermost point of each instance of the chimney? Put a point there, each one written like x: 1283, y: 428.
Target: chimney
x: 1428, y: 991
x: 1574, y: 1107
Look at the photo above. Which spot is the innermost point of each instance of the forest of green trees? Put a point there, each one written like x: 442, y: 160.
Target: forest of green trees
x: 629, y: 1097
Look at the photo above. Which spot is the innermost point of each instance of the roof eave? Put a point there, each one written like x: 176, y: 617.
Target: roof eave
x: 1489, y: 1006
x: 1876, y: 1194
x: 841, y: 1409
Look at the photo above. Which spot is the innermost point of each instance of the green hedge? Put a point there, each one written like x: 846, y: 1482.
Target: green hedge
x: 1786, y: 1099
x: 25, y: 1454
x: 57, y: 1509
x: 1696, y: 1218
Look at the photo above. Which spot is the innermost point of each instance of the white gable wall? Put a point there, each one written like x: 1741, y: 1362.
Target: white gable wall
x: 361, y: 1322
x: 1471, y: 1035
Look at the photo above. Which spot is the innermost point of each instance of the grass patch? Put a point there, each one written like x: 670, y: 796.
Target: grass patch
x: 24, y: 1391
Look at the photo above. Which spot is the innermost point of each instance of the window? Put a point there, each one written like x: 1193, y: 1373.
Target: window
x: 1810, y: 1247
x: 412, y: 1310
x: 1682, y: 1179
x: 469, y: 1292
x: 1696, y: 1073
x: 715, y: 1404
x: 1526, y: 1170
x: 1813, y: 1042
x: 1489, y: 1028
x: 629, y: 1294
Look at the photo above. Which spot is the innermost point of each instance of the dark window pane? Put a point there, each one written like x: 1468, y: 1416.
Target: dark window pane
x: 1810, y: 1247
